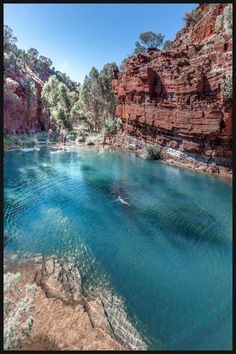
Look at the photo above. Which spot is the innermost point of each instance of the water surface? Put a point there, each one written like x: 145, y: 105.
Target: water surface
x: 169, y: 256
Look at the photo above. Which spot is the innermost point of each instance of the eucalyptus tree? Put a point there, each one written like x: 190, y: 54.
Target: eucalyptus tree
x: 148, y: 40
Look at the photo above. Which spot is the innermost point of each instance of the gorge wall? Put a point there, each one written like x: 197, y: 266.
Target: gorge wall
x: 22, y: 100
x: 174, y: 97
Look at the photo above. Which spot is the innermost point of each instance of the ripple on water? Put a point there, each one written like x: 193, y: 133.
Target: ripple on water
x: 168, y: 256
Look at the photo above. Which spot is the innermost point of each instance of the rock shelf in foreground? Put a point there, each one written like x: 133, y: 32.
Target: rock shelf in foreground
x: 68, y: 317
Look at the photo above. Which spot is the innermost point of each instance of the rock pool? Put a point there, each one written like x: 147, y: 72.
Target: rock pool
x: 169, y: 256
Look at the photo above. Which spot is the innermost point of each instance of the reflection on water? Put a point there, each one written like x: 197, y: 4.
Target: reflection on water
x: 168, y: 256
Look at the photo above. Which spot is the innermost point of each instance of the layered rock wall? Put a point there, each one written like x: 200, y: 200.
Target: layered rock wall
x: 175, y: 97
x: 22, y: 101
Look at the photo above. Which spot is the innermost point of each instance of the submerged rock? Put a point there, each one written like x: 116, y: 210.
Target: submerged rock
x: 65, y: 315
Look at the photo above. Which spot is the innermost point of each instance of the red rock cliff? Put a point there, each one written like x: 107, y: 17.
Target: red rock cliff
x: 22, y: 100
x: 175, y: 97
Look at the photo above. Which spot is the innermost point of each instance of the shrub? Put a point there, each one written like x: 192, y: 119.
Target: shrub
x: 193, y: 16
x: 152, y: 152
x: 81, y: 139
x: 30, y: 88
x: 30, y: 141
x: 72, y: 135
x: 10, y: 140
x: 112, y: 125
x: 18, y: 320
x: 11, y: 100
x: 42, y: 136
x: 227, y: 89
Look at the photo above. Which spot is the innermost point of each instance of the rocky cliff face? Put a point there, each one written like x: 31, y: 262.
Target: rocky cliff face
x: 22, y: 101
x: 174, y: 97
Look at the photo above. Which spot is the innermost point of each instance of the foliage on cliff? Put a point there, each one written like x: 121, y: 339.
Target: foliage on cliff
x: 193, y: 17
x: 148, y: 40
x: 25, y: 73
x: 16, y: 60
x: 38, y: 97
x: 167, y: 45
x: 227, y: 89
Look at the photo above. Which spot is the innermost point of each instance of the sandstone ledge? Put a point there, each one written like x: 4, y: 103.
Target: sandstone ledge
x: 198, y: 163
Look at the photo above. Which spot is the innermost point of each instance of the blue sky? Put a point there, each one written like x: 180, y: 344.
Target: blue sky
x: 77, y: 37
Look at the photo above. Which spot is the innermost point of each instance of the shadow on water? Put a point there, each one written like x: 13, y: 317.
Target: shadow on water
x: 193, y: 224
x: 101, y: 183
x: 86, y: 168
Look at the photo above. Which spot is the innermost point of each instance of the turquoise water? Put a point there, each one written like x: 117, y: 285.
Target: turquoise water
x: 169, y: 256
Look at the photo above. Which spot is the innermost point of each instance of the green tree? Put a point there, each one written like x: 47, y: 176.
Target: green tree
x: 21, y: 54
x: 148, y: 40
x: 74, y: 96
x: 64, y: 78
x: 60, y: 114
x: 50, y: 91
x: 10, y: 50
x: 96, y: 100
x: 9, y: 41
x: 32, y: 56
x: 9, y: 61
x: 64, y: 97
x: 106, y: 84
x: 139, y: 49
x: 61, y: 103
x: 56, y: 98
x: 193, y: 17
x: 44, y: 60
x: 31, y: 92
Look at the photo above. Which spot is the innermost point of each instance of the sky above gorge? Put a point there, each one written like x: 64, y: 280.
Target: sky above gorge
x: 77, y: 37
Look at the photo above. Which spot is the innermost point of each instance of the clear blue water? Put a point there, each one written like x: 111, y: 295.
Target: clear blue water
x: 169, y: 256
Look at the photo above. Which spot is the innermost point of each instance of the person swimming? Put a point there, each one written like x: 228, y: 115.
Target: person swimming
x: 119, y: 199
